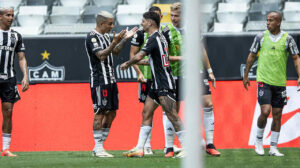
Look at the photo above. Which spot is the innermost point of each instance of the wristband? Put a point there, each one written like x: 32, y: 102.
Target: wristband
x: 209, y: 70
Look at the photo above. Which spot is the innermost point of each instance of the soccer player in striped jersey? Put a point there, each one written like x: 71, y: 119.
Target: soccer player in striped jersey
x: 274, y: 47
x: 104, y: 89
x: 11, y: 44
x: 173, y: 33
x: 162, y: 88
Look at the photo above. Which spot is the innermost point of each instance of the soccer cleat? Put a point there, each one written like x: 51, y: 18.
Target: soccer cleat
x: 6, y: 152
x: 169, y: 152
x: 275, y: 152
x: 134, y: 153
x: 169, y: 155
x: 176, y: 149
x: 211, y: 150
x: 181, y: 154
x: 259, y: 149
x: 102, y: 153
x: 148, y: 151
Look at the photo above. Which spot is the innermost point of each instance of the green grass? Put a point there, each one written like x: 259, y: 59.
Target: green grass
x: 230, y: 158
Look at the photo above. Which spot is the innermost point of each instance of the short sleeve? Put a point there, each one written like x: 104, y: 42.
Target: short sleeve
x: 166, y: 32
x: 255, y: 47
x: 20, y: 47
x: 292, y: 46
x: 138, y: 39
x: 149, y: 45
x: 93, y: 44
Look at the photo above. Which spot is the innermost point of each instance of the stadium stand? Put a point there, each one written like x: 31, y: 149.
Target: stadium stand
x: 167, y: 1
x: 107, y: 2
x: 49, y: 3
x: 291, y: 11
x: 140, y: 2
x: 74, y: 3
x: 32, y: 15
x: 232, y: 12
x: 228, y: 27
x: 78, y: 28
x: 90, y: 13
x: 130, y: 14
x: 256, y: 26
x: 65, y: 14
x: 258, y: 11
x: 10, y: 3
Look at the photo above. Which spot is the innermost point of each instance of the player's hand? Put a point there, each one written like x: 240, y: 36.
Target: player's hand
x: 213, y: 79
x: 124, y: 66
x: 25, y: 84
x: 246, y: 82
x: 131, y: 32
x: 118, y: 37
x: 141, y: 78
x: 298, y: 84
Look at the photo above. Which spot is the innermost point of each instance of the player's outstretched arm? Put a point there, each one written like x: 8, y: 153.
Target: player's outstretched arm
x: 124, y: 36
x: 250, y: 60
x: 138, y: 57
x: 296, y: 60
x: 175, y: 58
x: 23, y: 67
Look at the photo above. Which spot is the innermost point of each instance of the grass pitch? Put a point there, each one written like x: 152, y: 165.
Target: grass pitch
x: 230, y: 158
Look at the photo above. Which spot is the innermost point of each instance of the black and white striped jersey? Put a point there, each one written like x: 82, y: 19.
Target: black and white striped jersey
x: 156, y: 48
x: 102, y: 72
x: 11, y: 42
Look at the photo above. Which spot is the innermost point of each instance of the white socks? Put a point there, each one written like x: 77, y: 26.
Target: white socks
x: 209, y: 124
x: 148, y: 144
x: 260, y: 134
x: 100, y: 137
x: 180, y: 136
x: 144, y: 133
x: 6, y: 141
x: 169, y: 131
x: 274, y: 139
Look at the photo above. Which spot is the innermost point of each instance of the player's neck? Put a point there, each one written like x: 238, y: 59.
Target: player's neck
x: 99, y: 30
x: 152, y: 30
x: 275, y: 32
x: 4, y: 28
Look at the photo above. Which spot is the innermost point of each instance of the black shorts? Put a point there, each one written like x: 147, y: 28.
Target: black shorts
x: 9, y: 91
x: 274, y: 95
x: 144, y: 90
x: 105, y: 98
x: 204, y: 84
x: 179, y: 97
x: 155, y: 94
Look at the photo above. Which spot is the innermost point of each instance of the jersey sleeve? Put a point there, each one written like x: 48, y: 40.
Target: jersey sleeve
x: 166, y: 32
x: 138, y: 39
x: 20, y: 47
x: 292, y: 46
x: 149, y: 45
x: 93, y: 44
x: 255, y: 47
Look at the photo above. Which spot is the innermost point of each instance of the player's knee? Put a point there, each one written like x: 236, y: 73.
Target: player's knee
x: 7, y: 113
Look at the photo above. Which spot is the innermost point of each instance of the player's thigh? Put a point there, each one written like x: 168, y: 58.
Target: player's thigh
x: 9, y: 91
x: 279, y: 97
x: 149, y: 108
x: 264, y: 93
x: 207, y: 100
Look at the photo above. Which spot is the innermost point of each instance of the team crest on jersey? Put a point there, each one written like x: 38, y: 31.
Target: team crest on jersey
x: 135, y: 36
x: 13, y: 38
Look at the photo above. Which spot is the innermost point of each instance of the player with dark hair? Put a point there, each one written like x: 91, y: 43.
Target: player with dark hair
x: 11, y: 44
x: 274, y: 47
x: 162, y: 88
x: 104, y: 89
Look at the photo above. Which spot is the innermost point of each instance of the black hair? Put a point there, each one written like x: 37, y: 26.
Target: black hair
x: 153, y: 16
x: 154, y: 8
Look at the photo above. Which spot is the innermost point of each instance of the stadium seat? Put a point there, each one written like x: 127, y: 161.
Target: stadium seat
x: 49, y: 3
x: 291, y: 11
x: 90, y: 12
x: 166, y: 12
x: 32, y: 15
x: 107, y: 2
x: 28, y: 30
x: 147, y: 3
x: 238, y: 1
x: 293, y: 0
x: 10, y: 3
x: 290, y: 26
x: 208, y: 13
x: 65, y: 14
x: 78, y: 28
x: 259, y: 11
x: 269, y: 1
x: 130, y: 14
x: 232, y: 12
x: 77, y: 3
x: 210, y: 1
x: 167, y: 1
x: 228, y: 27
x: 256, y: 26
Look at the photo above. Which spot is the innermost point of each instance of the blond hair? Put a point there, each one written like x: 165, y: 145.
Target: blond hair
x: 176, y: 6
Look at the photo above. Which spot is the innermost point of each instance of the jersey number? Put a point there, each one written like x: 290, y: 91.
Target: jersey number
x: 165, y: 60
